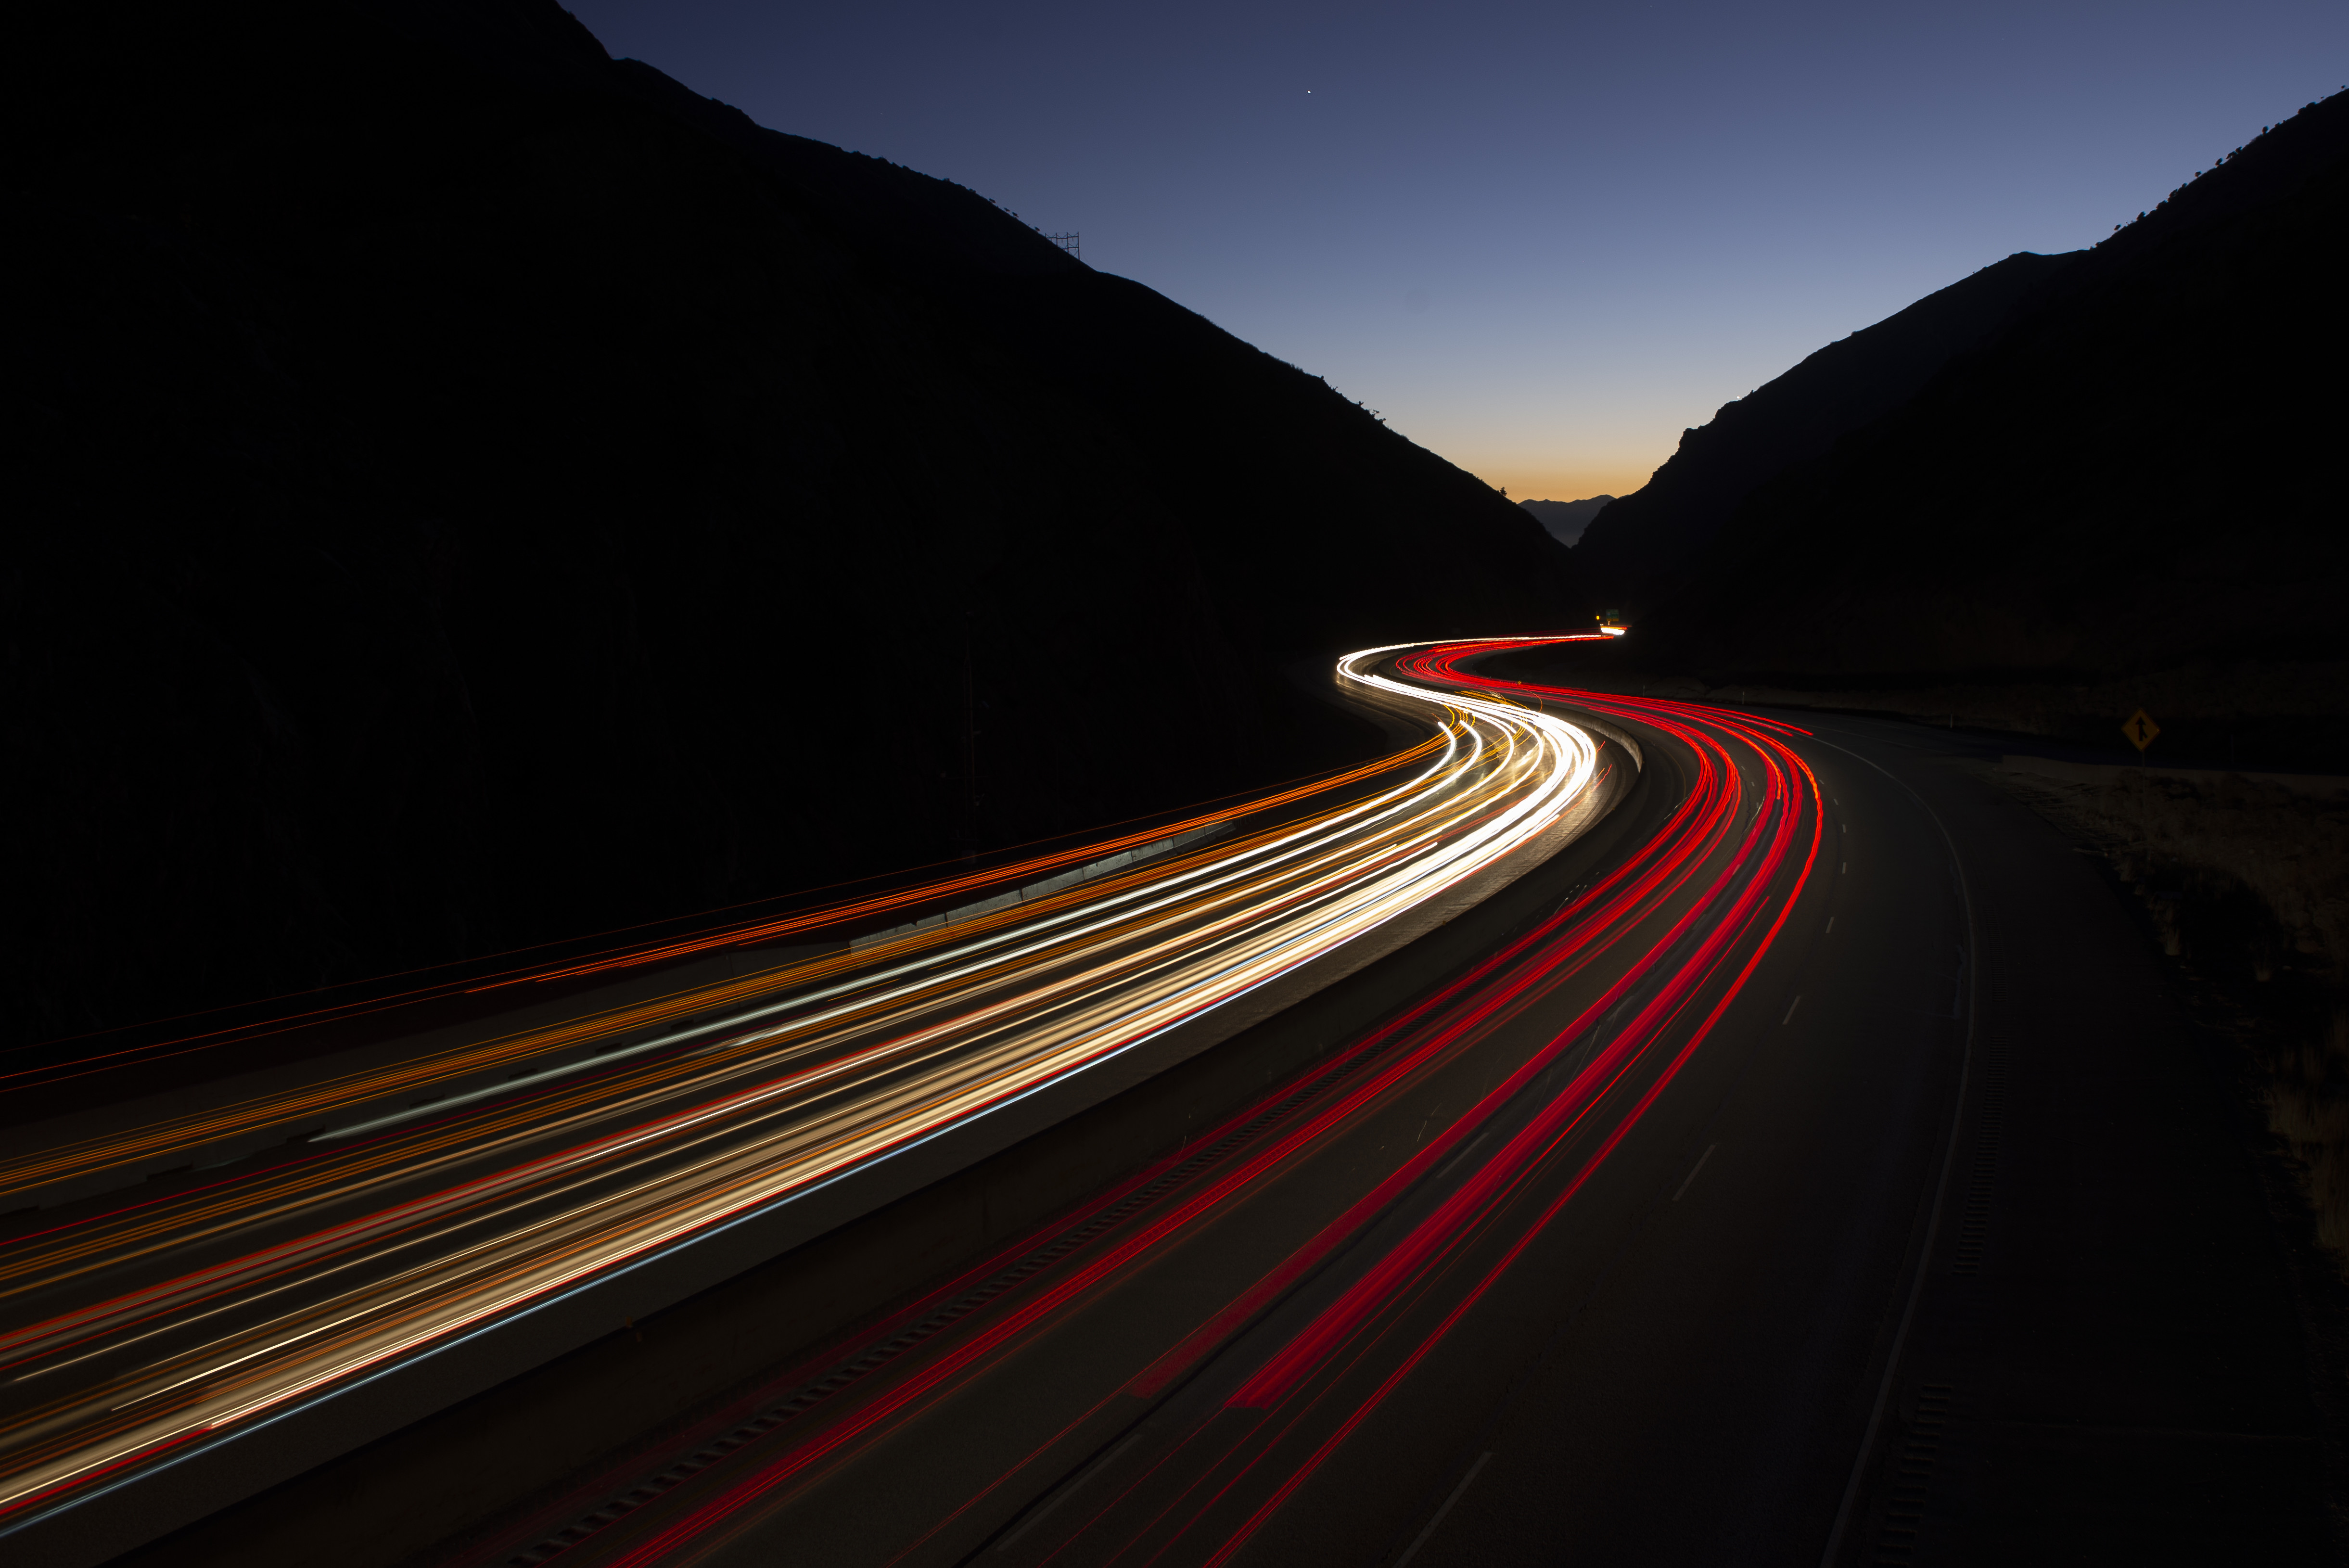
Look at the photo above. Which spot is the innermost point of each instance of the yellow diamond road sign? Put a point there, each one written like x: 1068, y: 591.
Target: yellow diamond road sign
x: 2141, y: 729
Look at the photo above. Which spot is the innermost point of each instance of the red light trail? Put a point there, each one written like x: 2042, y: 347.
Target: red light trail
x: 141, y: 1331
x: 1145, y: 1468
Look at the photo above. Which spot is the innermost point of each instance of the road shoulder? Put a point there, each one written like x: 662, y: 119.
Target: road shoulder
x: 2112, y: 1358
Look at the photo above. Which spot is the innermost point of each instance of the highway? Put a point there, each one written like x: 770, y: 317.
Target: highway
x: 424, y: 1211
x: 1278, y: 1342
x: 1679, y: 1192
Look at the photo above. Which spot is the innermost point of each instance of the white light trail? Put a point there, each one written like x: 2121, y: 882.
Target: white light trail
x: 940, y: 1028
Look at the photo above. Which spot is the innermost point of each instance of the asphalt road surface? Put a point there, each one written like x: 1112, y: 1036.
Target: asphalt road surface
x: 1808, y: 1169
x: 472, y: 1196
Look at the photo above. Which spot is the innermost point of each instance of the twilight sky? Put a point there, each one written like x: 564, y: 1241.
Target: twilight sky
x: 1540, y: 239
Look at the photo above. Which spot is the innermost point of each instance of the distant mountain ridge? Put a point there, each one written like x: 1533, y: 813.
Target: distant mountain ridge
x: 1566, y: 520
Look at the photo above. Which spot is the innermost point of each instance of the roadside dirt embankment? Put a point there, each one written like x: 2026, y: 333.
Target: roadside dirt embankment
x: 2245, y: 880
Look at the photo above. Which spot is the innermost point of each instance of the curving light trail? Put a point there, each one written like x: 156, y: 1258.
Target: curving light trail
x: 145, y: 1327
x: 1593, y: 1013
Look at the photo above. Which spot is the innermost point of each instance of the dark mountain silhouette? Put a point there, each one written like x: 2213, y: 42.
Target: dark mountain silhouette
x: 481, y: 492
x: 2132, y: 479
x: 1566, y: 520
x: 1636, y: 548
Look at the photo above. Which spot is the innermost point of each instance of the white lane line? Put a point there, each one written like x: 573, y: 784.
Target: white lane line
x: 1940, y: 1188
x: 1790, y: 1011
x: 1420, y: 1540
x: 1694, y: 1168
x: 1831, y: 924
x: 1846, y: 871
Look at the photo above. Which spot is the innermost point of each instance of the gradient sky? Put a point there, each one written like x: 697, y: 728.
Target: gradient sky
x: 1540, y: 239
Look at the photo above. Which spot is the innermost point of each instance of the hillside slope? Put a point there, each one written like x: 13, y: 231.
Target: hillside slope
x: 1640, y: 547
x: 483, y: 492
x: 2139, y: 472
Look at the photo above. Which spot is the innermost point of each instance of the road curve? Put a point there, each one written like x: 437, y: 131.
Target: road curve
x: 1260, y: 1346
x: 1888, y: 1215
x: 431, y: 1202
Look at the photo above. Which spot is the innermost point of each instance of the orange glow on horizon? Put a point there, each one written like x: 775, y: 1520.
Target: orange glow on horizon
x: 1548, y: 482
